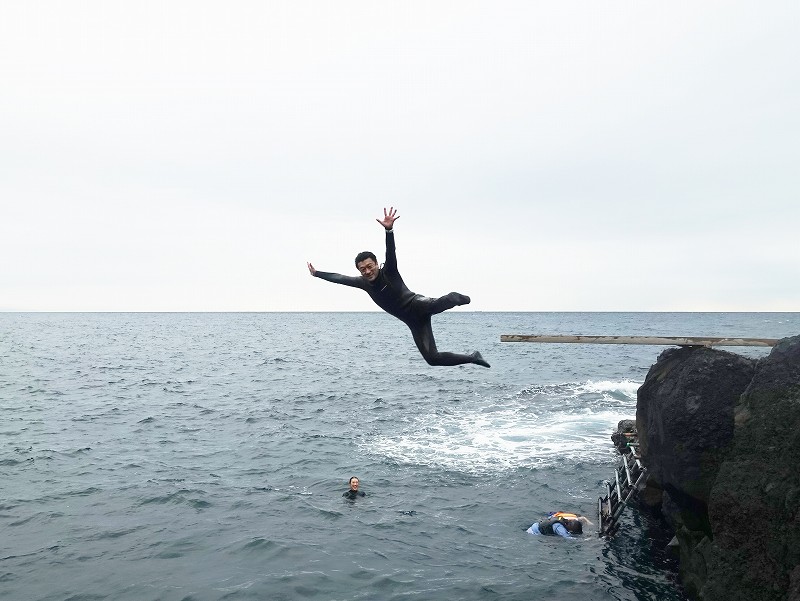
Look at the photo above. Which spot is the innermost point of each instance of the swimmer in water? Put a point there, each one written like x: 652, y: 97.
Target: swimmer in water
x: 389, y: 292
x: 560, y: 524
x: 353, y: 493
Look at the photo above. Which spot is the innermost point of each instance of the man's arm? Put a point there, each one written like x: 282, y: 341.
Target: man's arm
x: 337, y: 278
x: 389, y: 217
x: 561, y: 530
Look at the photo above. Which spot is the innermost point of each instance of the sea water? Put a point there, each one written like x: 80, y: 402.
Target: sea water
x: 203, y: 456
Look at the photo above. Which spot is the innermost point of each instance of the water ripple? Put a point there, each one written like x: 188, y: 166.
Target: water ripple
x: 203, y: 456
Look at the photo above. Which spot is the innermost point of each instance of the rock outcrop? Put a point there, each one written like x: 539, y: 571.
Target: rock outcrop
x: 720, y: 436
x: 626, y: 431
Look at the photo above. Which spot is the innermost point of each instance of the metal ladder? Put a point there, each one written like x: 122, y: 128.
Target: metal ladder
x: 629, y: 478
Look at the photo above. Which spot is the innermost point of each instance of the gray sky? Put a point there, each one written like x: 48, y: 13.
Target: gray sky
x: 577, y: 155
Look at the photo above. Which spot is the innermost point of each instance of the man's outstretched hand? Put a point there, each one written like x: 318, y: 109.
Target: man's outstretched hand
x: 311, y: 269
x: 388, y: 218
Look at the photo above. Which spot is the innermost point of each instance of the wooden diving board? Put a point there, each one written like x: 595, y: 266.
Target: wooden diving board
x: 652, y: 340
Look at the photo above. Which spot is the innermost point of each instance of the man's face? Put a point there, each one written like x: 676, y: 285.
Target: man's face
x: 368, y: 269
x: 354, y: 484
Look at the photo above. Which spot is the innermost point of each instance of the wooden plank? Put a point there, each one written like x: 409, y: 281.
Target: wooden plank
x: 652, y: 340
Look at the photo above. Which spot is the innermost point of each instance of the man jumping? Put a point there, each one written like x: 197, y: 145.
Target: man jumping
x: 387, y: 289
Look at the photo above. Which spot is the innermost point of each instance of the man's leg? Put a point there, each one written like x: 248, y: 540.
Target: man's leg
x: 423, y: 337
x: 431, y: 306
x: 448, y: 301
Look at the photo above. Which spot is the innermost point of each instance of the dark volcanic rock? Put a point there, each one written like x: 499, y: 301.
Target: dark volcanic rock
x: 685, y: 420
x: 626, y: 431
x: 720, y: 434
x: 754, y: 506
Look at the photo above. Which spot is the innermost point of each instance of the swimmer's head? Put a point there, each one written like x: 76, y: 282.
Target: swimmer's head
x: 573, y: 526
x: 353, y: 483
x: 367, y: 265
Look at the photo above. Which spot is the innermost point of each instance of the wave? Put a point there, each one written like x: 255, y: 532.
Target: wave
x: 534, y: 428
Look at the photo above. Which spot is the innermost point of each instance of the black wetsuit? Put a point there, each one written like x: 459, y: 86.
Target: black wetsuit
x: 392, y: 295
x: 354, y: 494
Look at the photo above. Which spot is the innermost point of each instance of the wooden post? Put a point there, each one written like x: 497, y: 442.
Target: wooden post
x: 652, y: 340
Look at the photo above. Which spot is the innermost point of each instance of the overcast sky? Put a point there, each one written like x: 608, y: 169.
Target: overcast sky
x: 543, y: 156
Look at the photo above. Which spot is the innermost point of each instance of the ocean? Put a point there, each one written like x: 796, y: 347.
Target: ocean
x: 203, y: 456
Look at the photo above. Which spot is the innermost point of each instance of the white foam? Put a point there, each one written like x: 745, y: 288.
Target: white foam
x: 626, y: 387
x: 533, y: 428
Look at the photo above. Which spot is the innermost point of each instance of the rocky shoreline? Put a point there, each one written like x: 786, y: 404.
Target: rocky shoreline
x: 720, y: 436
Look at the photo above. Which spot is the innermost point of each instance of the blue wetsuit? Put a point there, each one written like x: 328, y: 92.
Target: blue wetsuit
x: 391, y: 294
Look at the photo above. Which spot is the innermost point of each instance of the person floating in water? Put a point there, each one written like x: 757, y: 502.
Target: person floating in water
x: 353, y: 493
x: 389, y: 292
x: 561, y: 524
